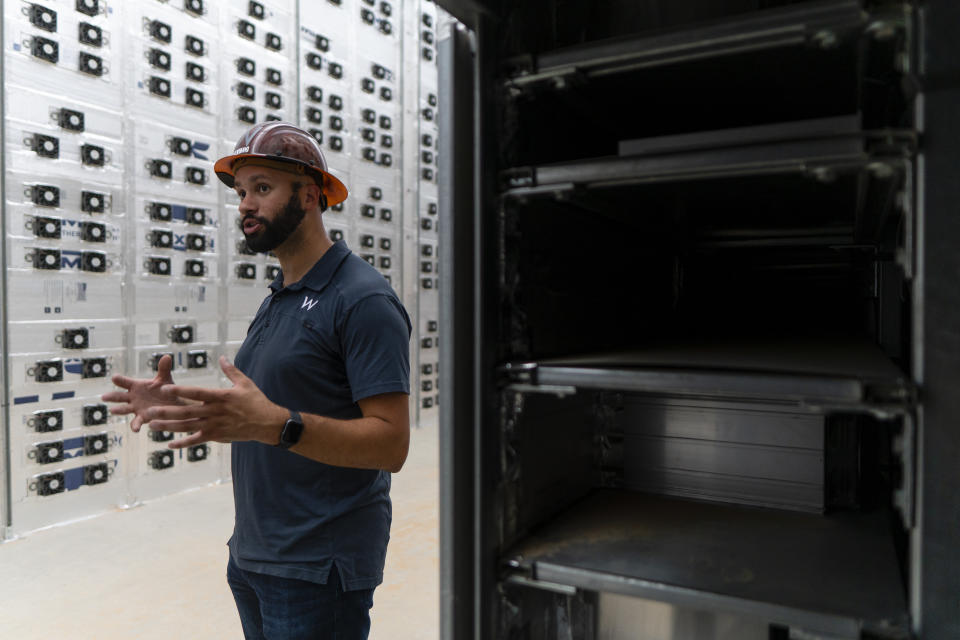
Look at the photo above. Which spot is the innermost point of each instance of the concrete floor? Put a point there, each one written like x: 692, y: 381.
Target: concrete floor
x: 158, y: 571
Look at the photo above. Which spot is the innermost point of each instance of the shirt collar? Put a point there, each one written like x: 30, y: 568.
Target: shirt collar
x: 320, y: 273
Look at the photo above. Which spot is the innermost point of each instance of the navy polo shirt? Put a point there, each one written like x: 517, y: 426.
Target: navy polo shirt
x: 338, y: 335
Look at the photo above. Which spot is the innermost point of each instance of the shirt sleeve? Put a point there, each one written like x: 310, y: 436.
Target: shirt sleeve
x: 375, y: 337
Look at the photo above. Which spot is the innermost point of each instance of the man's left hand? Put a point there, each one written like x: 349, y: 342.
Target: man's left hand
x: 241, y: 412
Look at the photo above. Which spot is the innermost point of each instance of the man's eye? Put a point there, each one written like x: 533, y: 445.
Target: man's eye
x: 263, y: 188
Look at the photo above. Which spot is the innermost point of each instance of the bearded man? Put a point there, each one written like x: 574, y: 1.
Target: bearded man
x: 318, y: 413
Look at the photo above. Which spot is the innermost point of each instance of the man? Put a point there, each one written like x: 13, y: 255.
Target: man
x: 318, y: 412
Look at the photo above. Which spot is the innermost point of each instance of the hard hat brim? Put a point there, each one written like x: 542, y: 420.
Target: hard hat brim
x: 333, y: 189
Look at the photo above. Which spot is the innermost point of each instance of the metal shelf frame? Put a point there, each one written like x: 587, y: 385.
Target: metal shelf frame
x: 833, y: 575
x: 821, y: 24
x: 820, y: 375
x: 816, y: 147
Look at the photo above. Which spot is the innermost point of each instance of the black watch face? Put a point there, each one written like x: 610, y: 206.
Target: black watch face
x: 291, y: 433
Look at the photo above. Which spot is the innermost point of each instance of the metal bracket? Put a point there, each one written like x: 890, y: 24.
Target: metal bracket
x: 897, y: 395
x: 519, y: 177
x: 511, y: 409
x: 554, y: 587
x: 519, y: 372
x: 521, y: 377
x: 904, y: 446
x: 560, y: 391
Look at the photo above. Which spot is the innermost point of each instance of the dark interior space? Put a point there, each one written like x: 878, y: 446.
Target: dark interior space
x: 782, y: 257
x: 544, y: 25
x: 592, y: 116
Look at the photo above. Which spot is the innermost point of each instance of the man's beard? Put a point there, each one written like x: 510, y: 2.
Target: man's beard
x: 273, y: 234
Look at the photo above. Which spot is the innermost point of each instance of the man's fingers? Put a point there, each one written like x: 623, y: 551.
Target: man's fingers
x: 193, y: 393
x: 178, y: 426
x: 122, y: 381
x: 177, y: 412
x: 233, y: 374
x: 189, y: 441
x: 136, y: 423
x: 122, y: 409
x: 116, y: 396
x: 164, y: 366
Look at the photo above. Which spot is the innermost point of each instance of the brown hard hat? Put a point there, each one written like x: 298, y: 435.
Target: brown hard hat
x: 293, y: 148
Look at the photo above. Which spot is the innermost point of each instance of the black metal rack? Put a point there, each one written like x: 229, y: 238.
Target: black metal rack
x: 684, y: 246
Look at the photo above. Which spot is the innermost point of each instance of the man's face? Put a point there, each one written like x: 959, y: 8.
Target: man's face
x: 270, y: 206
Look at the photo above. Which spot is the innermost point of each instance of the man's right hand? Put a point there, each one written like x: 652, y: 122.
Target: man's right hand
x: 140, y: 395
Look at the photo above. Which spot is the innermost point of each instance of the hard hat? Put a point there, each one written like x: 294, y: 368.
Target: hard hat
x: 291, y: 148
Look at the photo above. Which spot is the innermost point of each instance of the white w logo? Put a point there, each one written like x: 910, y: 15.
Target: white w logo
x: 308, y: 303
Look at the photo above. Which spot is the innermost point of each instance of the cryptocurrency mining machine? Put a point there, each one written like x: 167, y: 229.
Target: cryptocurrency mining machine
x: 700, y: 307
x: 120, y: 245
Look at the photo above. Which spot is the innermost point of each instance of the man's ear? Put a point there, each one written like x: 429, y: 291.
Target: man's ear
x: 312, y: 196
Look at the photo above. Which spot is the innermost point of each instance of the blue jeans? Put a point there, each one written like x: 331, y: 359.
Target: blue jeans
x: 273, y: 608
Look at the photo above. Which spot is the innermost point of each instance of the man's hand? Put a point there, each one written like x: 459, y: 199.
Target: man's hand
x: 242, y: 412
x: 140, y: 395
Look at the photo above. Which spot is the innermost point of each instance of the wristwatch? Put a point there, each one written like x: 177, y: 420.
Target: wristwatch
x: 292, y: 430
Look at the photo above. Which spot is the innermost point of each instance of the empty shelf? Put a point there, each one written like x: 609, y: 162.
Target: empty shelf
x: 825, y: 372
x: 822, y: 23
x: 833, y: 575
x: 744, y: 136
x: 814, y: 146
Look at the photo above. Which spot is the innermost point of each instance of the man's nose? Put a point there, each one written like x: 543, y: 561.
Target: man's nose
x: 247, y: 205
